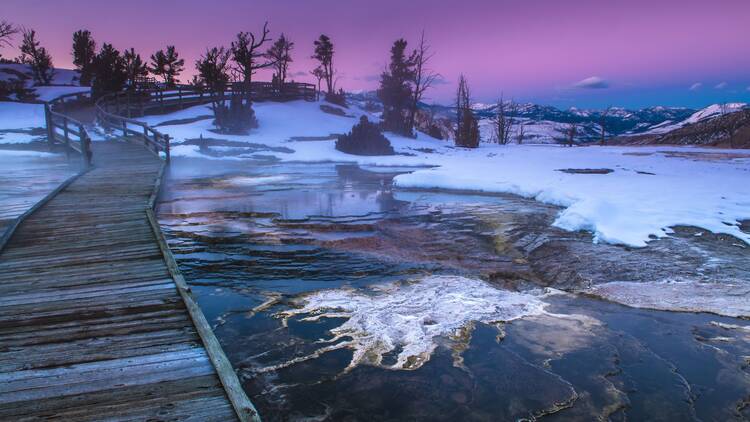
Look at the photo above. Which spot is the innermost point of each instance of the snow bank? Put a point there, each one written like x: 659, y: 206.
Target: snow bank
x: 627, y: 206
x: 48, y: 93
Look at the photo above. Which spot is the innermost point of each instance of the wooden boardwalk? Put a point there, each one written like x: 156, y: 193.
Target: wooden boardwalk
x: 92, y: 326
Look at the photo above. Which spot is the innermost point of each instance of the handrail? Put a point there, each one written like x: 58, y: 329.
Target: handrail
x: 74, y: 135
x: 112, y: 109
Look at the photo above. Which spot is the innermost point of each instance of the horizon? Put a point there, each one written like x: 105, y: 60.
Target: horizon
x: 603, y: 55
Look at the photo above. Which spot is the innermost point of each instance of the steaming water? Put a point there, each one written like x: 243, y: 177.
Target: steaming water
x: 337, y: 298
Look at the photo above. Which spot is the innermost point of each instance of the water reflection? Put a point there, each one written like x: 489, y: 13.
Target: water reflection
x: 257, y: 243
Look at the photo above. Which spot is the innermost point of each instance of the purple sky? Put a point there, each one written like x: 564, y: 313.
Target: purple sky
x: 630, y: 53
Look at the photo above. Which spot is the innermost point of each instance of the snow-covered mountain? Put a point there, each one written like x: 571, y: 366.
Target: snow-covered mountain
x: 547, y: 124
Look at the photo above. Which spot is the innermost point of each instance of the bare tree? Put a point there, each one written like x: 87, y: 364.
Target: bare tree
x: 504, y: 121
x: 247, y: 54
x: 7, y: 31
x: 37, y: 57
x: 319, y: 74
x: 424, y: 77
x: 572, y: 131
x: 520, y: 133
x: 603, y: 124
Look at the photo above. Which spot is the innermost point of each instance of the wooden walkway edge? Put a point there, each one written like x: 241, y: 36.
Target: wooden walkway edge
x: 242, y: 405
x: 96, y: 321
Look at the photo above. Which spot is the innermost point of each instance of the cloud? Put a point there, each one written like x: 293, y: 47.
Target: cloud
x: 696, y: 86
x: 721, y: 85
x: 300, y: 73
x: 748, y: 88
x: 593, y: 82
x: 367, y: 78
x: 442, y: 81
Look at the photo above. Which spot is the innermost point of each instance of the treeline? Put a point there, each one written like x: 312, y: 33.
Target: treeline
x: 402, y: 87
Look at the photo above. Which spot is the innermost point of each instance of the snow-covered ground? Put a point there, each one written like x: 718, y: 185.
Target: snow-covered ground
x: 649, y: 189
x: 17, y: 121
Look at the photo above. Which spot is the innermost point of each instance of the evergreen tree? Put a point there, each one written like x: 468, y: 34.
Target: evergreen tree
x: 396, y: 90
x: 324, y: 55
x: 168, y: 65
x: 279, y: 54
x: 467, y: 127
x: 110, y: 73
x: 134, y: 67
x: 37, y: 58
x: 84, y: 51
x: 213, y: 69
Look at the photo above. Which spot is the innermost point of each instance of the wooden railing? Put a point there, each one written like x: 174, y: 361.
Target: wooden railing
x: 116, y: 111
x: 130, y: 129
x: 143, y: 102
x: 67, y: 131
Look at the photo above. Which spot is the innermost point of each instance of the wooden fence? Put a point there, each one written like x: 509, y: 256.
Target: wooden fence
x: 67, y: 131
x: 116, y: 111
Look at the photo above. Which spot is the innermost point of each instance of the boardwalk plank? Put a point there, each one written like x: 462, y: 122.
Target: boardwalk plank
x: 92, y: 326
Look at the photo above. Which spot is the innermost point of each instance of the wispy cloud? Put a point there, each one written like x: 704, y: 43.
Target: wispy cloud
x: 696, y: 86
x: 721, y: 85
x: 748, y: 88
x: 299, y: 73
x: 367, y: 78
x: 593, y: 82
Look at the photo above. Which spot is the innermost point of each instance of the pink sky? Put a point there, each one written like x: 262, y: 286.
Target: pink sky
x: 645, y: 51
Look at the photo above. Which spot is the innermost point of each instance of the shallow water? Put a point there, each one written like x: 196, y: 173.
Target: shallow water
x: 338, y: 298
x: 25, y: 179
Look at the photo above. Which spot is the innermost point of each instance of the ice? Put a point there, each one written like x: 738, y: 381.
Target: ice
x: 726, y: 298
x: 408, y: 318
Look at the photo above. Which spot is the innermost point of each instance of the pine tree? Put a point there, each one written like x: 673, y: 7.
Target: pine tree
x: 168, y: 65
x: 37, y: 58
x: 324, y: 54
x: 213, y: 69
x: 134, y: 67
x: 279, y: 54
x: 396, y: 90
x: 110, y: 74
x: 84, y: 51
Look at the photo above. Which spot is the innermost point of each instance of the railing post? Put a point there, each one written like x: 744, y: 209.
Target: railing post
x: 85, y: 147
x: 67, y: 137
x: 179, y: 96
x: 166, y: 148
x: 124, y: 129
x: 50, y: 127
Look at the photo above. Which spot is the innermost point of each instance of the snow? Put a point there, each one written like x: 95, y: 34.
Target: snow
x: 21, y: 115
x: 714, y: 110
x: 410, y: 317
x: 689, y: 186
x: 623, y: 207
x: 49, y: 93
